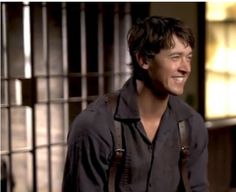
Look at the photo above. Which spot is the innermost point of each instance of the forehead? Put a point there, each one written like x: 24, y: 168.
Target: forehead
x: 179, y: 45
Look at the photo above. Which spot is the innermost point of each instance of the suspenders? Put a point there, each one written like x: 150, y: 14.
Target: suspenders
x: 119, y: 151
x: 184, y: 154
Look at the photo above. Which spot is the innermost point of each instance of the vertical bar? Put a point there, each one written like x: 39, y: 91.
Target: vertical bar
x: 128, y: 23
x: 29, y: 113
x: 202, y: 57
x: 4, y: 38
x: 116, y: 47
x: 46, y: 61
x: 83, y: 56
x: 32, y: 112
x: 100, y: 51
x: 127, y: 27
x: 8, y: 91
x: 65, y: 68
x: 26, y: 38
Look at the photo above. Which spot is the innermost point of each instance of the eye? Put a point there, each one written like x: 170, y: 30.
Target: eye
x: 189, y: 58
x: 175, y: 57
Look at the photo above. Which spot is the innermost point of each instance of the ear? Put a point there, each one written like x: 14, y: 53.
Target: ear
x: 142, y: 61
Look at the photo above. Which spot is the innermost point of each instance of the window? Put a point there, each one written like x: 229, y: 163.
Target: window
x: 220, y: 60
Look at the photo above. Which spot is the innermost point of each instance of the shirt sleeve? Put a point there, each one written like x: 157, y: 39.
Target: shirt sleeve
x: 87, y: 159
x: 198, y: 159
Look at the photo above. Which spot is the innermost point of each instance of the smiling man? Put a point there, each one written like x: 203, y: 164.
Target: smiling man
x: 149, y: 110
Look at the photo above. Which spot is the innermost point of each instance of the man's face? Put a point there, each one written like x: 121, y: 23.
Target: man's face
x: 170, y: 68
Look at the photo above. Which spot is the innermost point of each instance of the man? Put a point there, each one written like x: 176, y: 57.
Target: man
x: 149, y: 112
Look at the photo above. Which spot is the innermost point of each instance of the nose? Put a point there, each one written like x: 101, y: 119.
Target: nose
x: 185, y: 65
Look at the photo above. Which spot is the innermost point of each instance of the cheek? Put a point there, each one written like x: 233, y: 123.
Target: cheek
x: 161, y: 69
x: 158, y: 75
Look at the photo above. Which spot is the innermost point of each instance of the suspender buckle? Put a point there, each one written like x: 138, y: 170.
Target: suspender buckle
x: 119, y: 150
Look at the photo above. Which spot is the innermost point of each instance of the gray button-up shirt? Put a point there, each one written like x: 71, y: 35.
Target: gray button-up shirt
x: 148, y: 166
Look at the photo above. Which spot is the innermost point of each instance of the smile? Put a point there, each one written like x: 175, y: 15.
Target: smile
x: 179, y: 79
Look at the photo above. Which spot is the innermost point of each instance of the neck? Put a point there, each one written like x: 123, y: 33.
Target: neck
x: 150, y: 105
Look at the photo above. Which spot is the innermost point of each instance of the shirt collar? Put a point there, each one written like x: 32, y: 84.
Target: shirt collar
x: 127, y: 108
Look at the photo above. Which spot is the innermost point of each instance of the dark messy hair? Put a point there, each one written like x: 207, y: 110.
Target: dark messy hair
x: 154, y: 33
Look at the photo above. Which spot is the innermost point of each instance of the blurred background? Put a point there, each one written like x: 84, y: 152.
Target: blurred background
x: 57, y: 57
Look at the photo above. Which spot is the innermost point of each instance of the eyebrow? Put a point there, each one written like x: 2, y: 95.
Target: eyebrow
x: 179, y: 53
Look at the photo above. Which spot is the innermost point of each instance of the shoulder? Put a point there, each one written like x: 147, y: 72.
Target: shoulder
x: 195, y: 119
x: 92, y: 123
x: 184, y: 111
x: 197, y: 129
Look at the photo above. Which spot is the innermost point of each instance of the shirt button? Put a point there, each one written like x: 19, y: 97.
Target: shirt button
x: 149, y: 185
x: 150, y: 148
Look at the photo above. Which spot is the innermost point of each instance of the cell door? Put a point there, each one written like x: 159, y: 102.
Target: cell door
x: 34, y: 101
x: 56, y: 58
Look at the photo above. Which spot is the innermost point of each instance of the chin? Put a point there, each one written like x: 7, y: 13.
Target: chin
x: 177, y: 92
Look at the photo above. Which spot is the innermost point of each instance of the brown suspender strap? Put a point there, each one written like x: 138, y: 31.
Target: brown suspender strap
x: 118, y: 153
x: 117, y: 159
x: 184, y: 154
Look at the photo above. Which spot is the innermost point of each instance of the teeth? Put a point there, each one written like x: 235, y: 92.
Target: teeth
x: 179, y: 79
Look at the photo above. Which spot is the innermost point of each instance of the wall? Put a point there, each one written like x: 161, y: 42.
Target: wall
x: 221, y: 159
